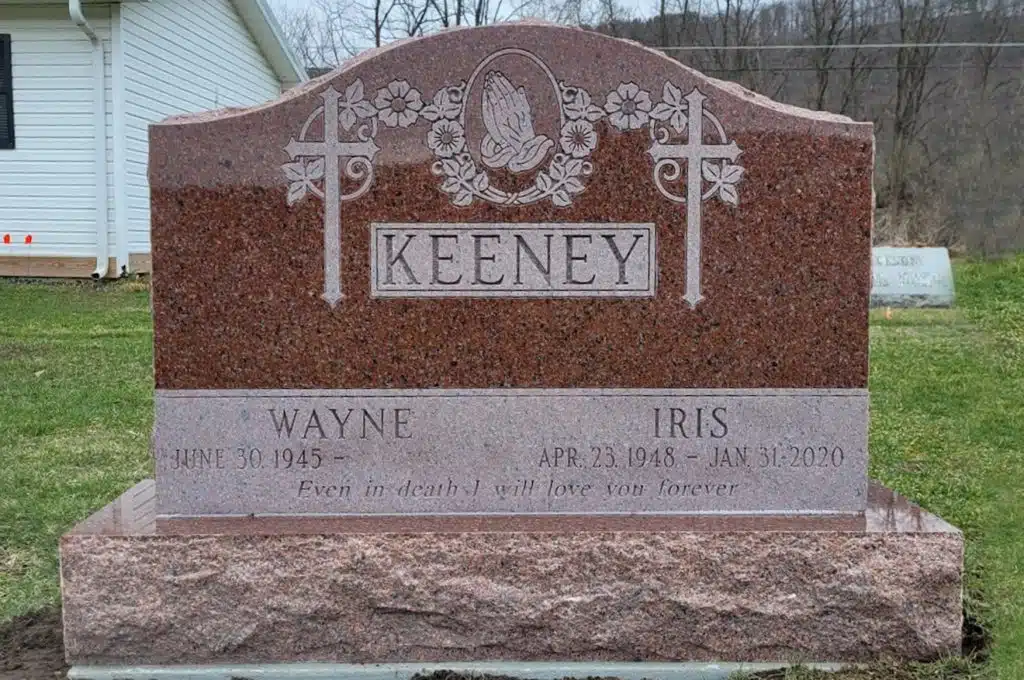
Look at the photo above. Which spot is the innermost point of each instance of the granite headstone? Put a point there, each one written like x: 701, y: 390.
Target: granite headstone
x: 513, y: 343
x: 489, y: 278
x: 911, y: 277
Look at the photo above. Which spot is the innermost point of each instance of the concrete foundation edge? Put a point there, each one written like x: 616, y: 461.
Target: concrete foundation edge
x: 404, y: 671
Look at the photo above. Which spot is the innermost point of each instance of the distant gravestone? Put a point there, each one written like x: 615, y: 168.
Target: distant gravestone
x: 911, y: 277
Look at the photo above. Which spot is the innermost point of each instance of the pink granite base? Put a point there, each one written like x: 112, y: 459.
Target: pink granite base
x: 469, y: 590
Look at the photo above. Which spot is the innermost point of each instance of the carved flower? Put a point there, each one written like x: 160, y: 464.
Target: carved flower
x: 628, y: 106
x: 446, y: 138
x: 353, y: 106
x: 724, y: 177
x: 447, y: 103
x: 398, y: 104
x: 672, y: 108
x: 302, y: 177
x: 578, y: 138
x: 578, y: 105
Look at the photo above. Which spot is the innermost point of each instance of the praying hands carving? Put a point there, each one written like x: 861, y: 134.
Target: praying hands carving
x: 510, y: 141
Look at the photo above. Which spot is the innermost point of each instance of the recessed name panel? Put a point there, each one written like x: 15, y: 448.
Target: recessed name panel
x: 511, y: 451
x: 513, y: 260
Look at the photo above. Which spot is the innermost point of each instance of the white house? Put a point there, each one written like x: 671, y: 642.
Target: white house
x: 80, y: 81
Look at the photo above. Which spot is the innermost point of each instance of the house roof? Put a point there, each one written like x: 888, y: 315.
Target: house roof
x: 259, y: 19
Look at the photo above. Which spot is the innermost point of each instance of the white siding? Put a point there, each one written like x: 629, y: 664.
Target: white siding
x: 48, y: 182
x: 181, y: 56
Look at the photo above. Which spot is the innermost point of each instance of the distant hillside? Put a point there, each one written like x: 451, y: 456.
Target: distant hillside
x: 949, y: 124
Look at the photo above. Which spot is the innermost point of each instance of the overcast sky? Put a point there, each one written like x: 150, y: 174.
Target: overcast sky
x: 639, y: 8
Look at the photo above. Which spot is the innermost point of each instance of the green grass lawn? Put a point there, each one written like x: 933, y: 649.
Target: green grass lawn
x: 75, y: 414
x: 947, y: 430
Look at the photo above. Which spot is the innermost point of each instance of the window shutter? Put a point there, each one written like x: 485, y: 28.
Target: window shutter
x: 6, y: 94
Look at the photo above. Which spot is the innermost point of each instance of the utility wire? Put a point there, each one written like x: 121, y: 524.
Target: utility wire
x: 860, y: 67
x: 843, y: 46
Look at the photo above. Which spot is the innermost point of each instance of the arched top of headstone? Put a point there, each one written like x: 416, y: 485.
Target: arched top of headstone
x: 515, y: 97
x: 529, y: 53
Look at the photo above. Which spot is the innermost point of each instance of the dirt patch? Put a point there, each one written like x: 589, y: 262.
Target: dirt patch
x: 32, y: 647
x: 977, y: 638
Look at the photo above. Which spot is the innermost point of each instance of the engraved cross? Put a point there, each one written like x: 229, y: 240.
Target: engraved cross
x: 332, y: 150
x: 695, y: 151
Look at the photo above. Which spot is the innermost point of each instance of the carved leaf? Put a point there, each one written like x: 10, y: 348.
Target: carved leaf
x: 727, y: 192
x: 450, y: 167
x: 579, y: 106
x: 573, y: 185
x: 481, y: 182
x: 364, y: 109
x: 354, y: 92
x: 732, y: 174
x: 594, y: 113
x: 576, y: 102
x: 296, y: 191
x: 543, y: 182
x: 678, y: 120
x: 574, y: 167
x: 662, y: 111
x: 295, y: 171
x: 451, y: 185
x: 315, y: 170
x: 347, y: 117
x: 557, y: 171
x: 561, y: 199
x: 672, y: 108
x: 430, y: 112
x: 673, y: 114
x: 467, y: 171
x: 463, y: 198
x: 441, y: 106
x: 672, y: 95
x: 711, y: 171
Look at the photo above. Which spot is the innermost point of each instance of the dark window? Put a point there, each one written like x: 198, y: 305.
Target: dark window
x: 6, y: 94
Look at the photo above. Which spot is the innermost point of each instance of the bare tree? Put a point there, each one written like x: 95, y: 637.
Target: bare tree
x: 613, y: 15
x: 921, y: 23
x: 825, y: 25
x: 860, y: 31
x: 323, y: 34
x: 992, y: 27
x: 326, y: 32
x: 569, y: 12
x: 733, y: 24
x: 663, y: 23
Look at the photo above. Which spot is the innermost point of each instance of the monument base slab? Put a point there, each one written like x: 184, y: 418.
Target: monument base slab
x: 690, y: 670
x: 137, y: 591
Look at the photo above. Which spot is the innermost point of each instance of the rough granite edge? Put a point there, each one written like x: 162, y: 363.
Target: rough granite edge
x: 786, y: 596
